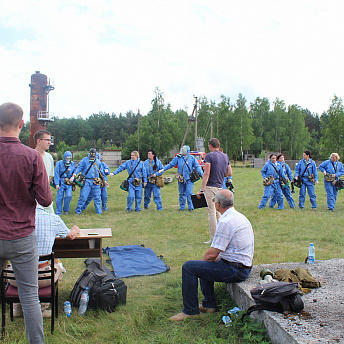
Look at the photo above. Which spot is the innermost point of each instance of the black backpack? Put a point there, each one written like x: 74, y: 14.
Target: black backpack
x: 276, y: 297
x: 105, y: 291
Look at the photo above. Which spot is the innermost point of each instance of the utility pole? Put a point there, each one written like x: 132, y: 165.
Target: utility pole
x: 211, y: 126
x: 195, y: 109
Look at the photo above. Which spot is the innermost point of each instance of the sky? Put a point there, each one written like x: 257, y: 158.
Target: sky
x: 110, y: 56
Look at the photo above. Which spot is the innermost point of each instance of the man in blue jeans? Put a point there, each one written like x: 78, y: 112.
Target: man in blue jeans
x: 23, y: 180
x: 229, y: 259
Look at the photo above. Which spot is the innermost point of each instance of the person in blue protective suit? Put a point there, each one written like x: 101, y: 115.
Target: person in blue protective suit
x: 136, y: 171
x: 152, y: 167
x: 63, y: 171
x: 333, y: 169
x: 89, y: 167
x: 185, y: 163
x: 286, y: 190
x: 271, y: 168
x: 228, y: 183
x: 105, y: 171
x: 307, y: 171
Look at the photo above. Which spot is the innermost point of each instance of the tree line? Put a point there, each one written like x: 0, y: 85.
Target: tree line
x: 242, y: 128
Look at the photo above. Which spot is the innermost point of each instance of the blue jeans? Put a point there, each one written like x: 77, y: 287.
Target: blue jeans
x: 208, y: 273
x: 287, y: 194
x: 331, y: 194
x: 23, y: 255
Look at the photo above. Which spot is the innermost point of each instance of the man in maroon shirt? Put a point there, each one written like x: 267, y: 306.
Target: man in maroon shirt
x: 23, y: 180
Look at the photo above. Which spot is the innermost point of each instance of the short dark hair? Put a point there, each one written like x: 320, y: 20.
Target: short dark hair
x: 279, y: 155
x: 273, y: 154
x: 307, y: 152
x: 39, y: 134
x: 214, y: 142
x: 10, y: 116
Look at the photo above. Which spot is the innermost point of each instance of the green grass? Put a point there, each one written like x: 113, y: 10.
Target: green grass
x: 280, y: 236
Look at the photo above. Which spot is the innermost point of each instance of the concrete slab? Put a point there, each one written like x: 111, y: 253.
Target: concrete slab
x: 325, y: 305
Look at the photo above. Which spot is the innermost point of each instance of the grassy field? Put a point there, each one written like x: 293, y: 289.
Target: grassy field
x: 280, y: 236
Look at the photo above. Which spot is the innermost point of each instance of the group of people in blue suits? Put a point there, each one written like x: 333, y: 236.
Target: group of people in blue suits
x: 276, y: 173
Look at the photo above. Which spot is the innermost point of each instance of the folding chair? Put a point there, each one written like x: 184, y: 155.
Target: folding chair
x: 9, y: 293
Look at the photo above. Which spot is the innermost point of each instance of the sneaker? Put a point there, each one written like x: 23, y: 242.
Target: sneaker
x: 66, y: 213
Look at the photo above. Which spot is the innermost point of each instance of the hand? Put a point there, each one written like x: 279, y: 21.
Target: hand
x: 111, y: 174
x: 325, y: 173
x: 107, y: 184
x: 333, y: 175
x: 316, y: 182
x: 144, y: 184
x: 71, y: 179
x: 161, y: 171
x: 74, y: 231
x: 154, y: 175
x: 199, y: 193
x: 57, y: 187
x: 296, y: 178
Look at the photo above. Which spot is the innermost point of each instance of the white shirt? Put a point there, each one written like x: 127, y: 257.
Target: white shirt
x: 234, y: 237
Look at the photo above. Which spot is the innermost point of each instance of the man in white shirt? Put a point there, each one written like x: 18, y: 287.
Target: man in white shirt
x: 229, y: 259
x: 42, y: 140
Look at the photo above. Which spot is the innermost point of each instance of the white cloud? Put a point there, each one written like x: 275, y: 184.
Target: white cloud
x: 110, y: 55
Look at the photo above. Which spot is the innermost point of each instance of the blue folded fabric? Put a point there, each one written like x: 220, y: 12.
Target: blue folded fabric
x: 135, y: 260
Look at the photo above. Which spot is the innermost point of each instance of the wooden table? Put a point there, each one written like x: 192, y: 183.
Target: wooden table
x: 79, y: 247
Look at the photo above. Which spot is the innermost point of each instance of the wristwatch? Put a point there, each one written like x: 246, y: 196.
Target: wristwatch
x: 201, y: 190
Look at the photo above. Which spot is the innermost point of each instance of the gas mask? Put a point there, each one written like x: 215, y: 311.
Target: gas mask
x: 183, y: 150
x: 68, y: 160
x: 92, y: 154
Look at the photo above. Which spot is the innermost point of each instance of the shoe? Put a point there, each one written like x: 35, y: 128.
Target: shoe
x: 206, y: 310
x: 128, y: 211
x: 208, y: 242
x: 46, y: 313
x: 331, y: 209
x: 66, y: 213
x: 182, y: 316
x: 138, y: 210
x: 145, y: 207
x: 105, y: 209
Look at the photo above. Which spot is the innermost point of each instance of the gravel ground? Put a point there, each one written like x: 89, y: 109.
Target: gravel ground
x: 322, y: 320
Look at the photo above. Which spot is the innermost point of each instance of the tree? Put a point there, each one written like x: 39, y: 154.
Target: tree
x: 333, y: 131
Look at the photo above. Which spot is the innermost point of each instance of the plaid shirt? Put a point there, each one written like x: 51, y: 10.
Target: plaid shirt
x: 23, y: 179
x: 48, y: 227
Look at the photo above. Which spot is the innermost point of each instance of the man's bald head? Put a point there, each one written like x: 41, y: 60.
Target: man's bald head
x: 10, y: 116
x: 225, y: 198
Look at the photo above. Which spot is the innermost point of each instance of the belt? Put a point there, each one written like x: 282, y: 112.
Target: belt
x: 42, y: 265
x: 238, y: 265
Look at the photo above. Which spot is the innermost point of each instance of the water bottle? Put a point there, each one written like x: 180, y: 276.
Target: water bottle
x: 83, y: 302
x: 311, y: 254
x: 67, y: 307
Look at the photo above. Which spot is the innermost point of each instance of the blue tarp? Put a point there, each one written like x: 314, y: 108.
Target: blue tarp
x: 135, y: 260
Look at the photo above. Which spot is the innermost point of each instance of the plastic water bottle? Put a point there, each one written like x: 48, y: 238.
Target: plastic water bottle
x: 83, y: 302
x: 67, y: 307
x: 311, y: 254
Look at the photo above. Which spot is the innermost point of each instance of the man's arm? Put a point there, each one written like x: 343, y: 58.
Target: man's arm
x: 229, y: 171
x: 206, y: 175
x: 211, y: 255
x: 74, y: 231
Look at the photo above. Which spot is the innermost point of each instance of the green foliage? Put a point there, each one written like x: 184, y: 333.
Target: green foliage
x: 24, y: 134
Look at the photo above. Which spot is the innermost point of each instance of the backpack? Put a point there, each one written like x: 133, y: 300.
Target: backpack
x: 276, y: 297
x: 105, y: 291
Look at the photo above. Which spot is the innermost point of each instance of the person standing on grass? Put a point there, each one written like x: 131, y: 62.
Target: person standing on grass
x: 286, y: 190
x: 152, y: 167
x: 274, y: 171
x: 216, y: 167
x: 42, y: 140
x: 229, y: 259
x: 307, y: 169
x: 136, y: 172
x: 332, y: 170
x: 23, y: 180
x: 185, y: 164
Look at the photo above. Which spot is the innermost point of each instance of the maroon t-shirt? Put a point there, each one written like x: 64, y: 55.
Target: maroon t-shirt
x: 23, y: 180
x: 219, y: 162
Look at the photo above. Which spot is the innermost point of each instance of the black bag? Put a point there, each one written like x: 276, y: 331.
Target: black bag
x: 276, y: 297
x: 194, y: 176
x: 339, y: 184
x: 125, y: 185
x: 105, y: 291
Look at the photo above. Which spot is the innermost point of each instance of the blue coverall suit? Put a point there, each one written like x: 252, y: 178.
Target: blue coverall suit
x: 311, y: 168
x: 103, y: 191
x: 186, y: 187
x: 275, y: 187
x: 89, y: 189
x: 286, y: 190
x: 65, y: 191
x: 149, y: 188
x: 134, y: 191
x: 331, y: 190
